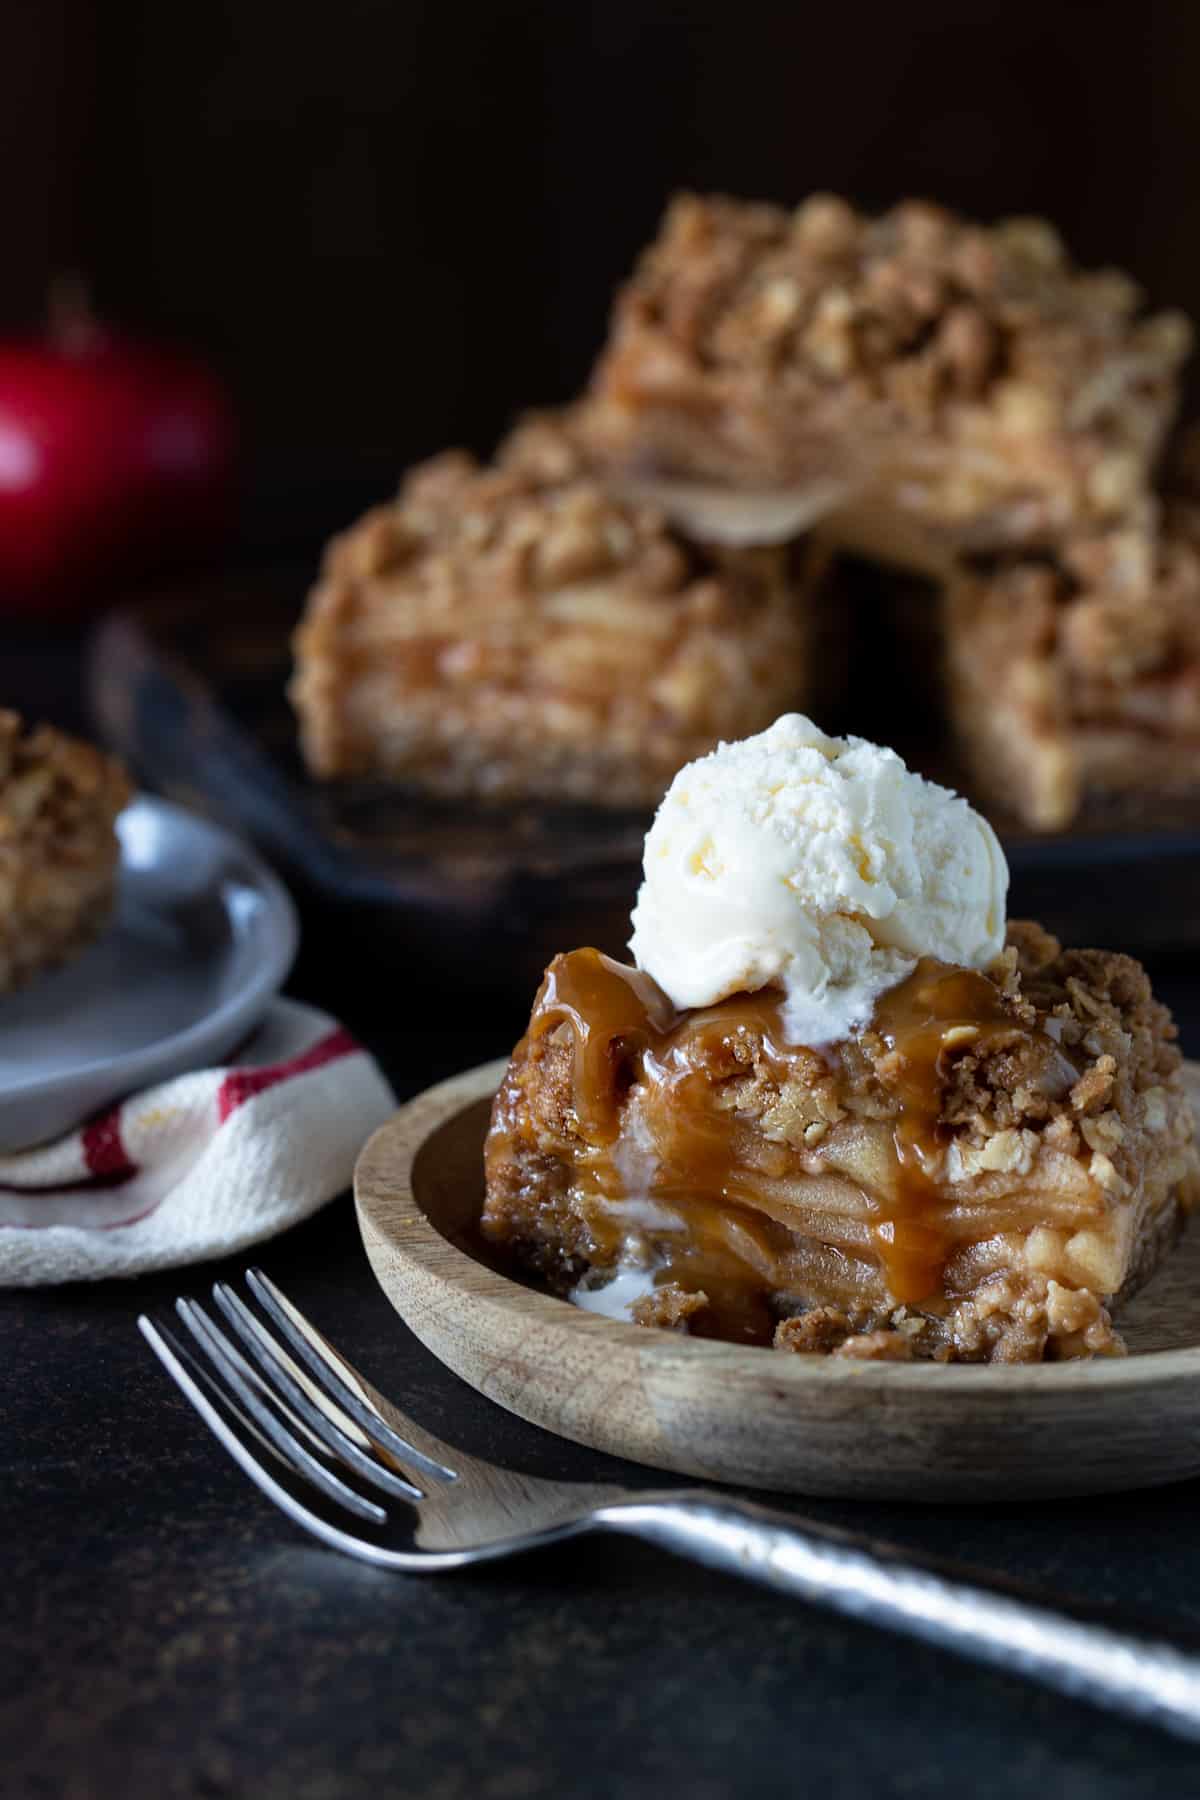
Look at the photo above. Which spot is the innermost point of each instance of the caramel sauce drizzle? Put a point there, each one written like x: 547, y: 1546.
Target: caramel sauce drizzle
x: 613, y: 1012
x: 708, y: 1162
x: 919, y: 1020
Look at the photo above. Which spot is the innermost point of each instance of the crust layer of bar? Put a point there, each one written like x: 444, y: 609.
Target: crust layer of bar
x: 59, y: 800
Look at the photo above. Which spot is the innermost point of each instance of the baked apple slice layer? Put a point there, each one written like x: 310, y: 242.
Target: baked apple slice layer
x: 981, y: 1172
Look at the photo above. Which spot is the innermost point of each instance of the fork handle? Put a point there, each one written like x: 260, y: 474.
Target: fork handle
x: 1145, y: 1679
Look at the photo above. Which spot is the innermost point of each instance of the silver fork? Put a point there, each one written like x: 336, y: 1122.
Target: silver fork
x: 348, y: 1466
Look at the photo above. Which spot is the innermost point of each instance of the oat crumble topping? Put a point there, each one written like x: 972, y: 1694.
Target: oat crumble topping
x: 1021, y: 394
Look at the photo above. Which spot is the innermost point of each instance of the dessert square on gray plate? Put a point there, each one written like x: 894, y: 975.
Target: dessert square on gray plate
x: 201, y: 939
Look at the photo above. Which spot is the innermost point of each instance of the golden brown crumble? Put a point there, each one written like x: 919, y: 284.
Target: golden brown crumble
x: 59, y: 799
x: 1104, y: 1015
x: 818, y: 1332
x: 669, y: 1307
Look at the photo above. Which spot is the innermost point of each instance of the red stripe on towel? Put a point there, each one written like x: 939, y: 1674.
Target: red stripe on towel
x: 103, y: 1151
x: 243, y: 1084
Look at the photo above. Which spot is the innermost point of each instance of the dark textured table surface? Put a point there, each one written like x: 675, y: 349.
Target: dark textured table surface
x: 164, y: 1632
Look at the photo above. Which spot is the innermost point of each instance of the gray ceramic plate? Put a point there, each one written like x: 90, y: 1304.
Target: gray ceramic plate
x: 202, y: 937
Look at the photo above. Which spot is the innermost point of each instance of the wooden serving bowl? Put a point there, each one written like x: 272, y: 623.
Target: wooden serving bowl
x: 755, y: 1417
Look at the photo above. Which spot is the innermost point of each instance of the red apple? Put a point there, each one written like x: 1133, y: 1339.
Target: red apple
x: 116, y: 458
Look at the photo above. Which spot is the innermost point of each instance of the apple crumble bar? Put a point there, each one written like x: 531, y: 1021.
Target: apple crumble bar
x: 982, y: 1173
x: 59, y: 800
x: 1074, y: 678
x: 968, y: 385
x: 518, y: 632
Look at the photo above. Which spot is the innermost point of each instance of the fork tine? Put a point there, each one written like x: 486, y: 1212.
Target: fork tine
x: 268, y: 1350
x: 340, y: 1382
x: 206, y: 1379
x: 272, y: 1361
x: 217, y: 1410
x: 226, y: 1359
x: 255, y: 1380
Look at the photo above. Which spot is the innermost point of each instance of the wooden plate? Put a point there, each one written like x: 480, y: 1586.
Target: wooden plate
x: 730, y: 1413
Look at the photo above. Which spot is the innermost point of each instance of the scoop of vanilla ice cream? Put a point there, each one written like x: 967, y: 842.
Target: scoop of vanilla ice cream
x: 819, y: 865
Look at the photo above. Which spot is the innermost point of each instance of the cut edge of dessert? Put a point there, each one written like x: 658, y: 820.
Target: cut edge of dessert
x: 1073, y: 677
x: 519, y: 631
x: 837, y: 1105
x: 59, y: 853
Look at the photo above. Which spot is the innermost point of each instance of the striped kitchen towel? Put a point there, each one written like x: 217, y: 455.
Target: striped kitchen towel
x: 200, y: 1166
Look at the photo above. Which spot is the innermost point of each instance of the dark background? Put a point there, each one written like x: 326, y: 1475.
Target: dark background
x: 392, y: 225
x: 395, y: 223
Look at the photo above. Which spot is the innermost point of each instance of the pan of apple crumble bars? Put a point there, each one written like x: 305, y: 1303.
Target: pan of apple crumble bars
x: 910, y: 474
